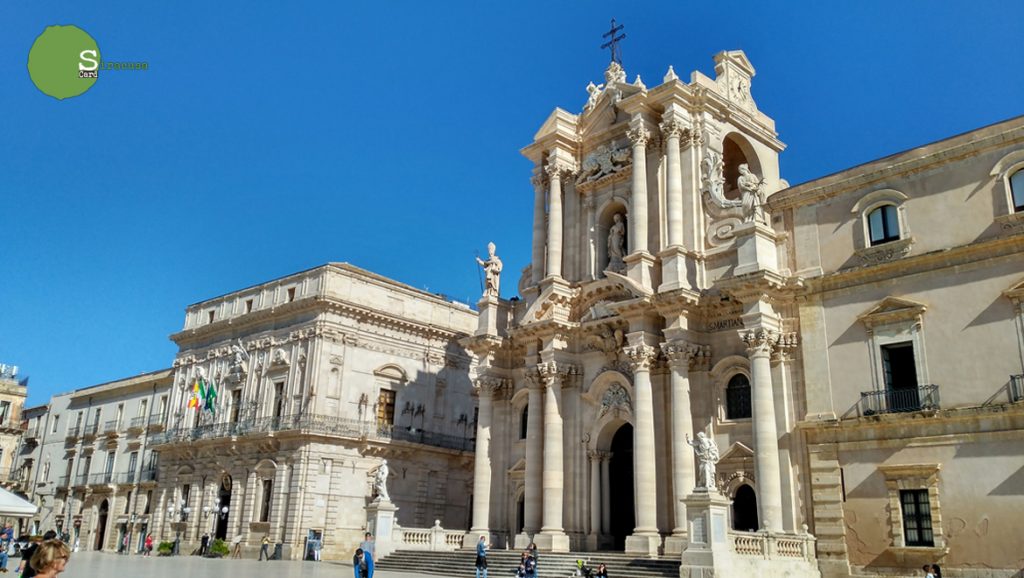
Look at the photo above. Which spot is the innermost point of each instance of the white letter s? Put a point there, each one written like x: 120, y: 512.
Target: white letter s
x: 85, y: 56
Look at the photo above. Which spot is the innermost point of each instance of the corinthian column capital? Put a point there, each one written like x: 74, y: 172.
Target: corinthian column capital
x: 639, y: 135
x: 670, y: 128
x: 640, y: 357
x: 557, y: 169
x: 759, y: 341
x: 489, y: 384
x: 683, y: 354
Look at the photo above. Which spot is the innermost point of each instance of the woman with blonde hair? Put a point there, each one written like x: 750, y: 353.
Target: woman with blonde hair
x: 50, y: 558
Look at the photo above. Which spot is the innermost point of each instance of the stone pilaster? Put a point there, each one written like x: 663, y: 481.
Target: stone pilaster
x: 645, y: 538
x: 671, y: 132
x: 534, y: 455
x: 766, y: 445
x: 555, y: 171
x: 640, y: 262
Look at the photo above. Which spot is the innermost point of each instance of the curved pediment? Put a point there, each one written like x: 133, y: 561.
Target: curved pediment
x: 595, y: 299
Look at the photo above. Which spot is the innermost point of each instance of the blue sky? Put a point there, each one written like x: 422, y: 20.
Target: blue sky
x: 266, y: 139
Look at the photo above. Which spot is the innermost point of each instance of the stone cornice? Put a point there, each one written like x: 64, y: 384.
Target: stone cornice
x: 914, y: 264
x: 912, y: 161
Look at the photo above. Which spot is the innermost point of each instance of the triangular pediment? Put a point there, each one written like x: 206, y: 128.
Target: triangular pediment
x: 892, y: 309
x: 1016, y: 292
x: 735, y: 57
x: 603, y: 116
x: 737, y: 451
x: 518, y: 467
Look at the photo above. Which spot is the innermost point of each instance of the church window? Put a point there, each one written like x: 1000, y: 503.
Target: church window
x: 737, y: 397
x: 883, y: 224
x: 524, y: 420
x: 917, y: 518
x: 1017, y: 190
x: 386, y: 408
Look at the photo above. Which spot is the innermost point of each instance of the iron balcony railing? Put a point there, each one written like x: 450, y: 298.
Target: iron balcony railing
x: 317, y: 425
x: 91, y: 429
x: 1016, y: 388
x: 137, y: 423
x: 922, y: 397
x: 148, y: 475
x: 111, y: 426
x: 73, y: 432
x: 82, y: 479
x: 62, y: 481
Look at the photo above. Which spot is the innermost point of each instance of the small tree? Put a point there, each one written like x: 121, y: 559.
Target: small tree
x: 165, y: 549
x: 219, y: 549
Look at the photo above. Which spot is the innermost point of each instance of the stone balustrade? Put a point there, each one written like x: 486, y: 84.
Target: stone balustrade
x: 774, y: 545
x: 435, y: 539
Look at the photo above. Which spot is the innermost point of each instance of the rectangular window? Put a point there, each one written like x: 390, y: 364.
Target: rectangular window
x: 5, y: 411
x: 56, y: 420
x: 111, y: 457
x: 185, y: 491
x: 149, y: 502
x: 291, y: 294
x: 268, y: 493
x: 884, y: 225
x: 163, y: 408
x: 133, y: 462
x: 386, y: 408
x: 248, y: 305
x: 209, y: 315
x: 278, y: 399
x: 1017, y: 189
x: 46, y: 472
x: 128, y: 502
x: 144, y: 408
x: 120, y: 414
x: 917, y: 518
x: 78, y: 421
x: 900, y: 372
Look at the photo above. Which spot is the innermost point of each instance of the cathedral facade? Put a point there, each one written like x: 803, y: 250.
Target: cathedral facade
x: 853, y: 345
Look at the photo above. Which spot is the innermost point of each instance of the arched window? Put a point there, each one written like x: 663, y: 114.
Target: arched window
x: 883, y: 225
x: 737, y: 397
x: 524, y: 419
x: 1017, y: 190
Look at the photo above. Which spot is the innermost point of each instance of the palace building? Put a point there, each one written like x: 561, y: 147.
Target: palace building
x: 853, y: 344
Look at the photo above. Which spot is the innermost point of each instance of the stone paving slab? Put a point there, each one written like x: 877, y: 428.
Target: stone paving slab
x: 97, y: 564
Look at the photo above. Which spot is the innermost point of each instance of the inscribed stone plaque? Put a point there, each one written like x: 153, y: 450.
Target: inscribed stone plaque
x: 718, y: 526
x: 700, y: 534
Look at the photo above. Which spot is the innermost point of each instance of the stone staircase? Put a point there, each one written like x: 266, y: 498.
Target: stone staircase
x: 502, y: 564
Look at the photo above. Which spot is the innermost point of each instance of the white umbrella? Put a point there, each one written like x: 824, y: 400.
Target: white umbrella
x: 15, y: 507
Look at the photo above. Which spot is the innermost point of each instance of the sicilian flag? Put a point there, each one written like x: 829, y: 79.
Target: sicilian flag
x: 197, y: 395
x: 210, y: 398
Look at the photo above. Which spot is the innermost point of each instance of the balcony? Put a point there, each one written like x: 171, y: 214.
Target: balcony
x: 73, y: 434
x: 102, y: 479
x: 148, y: 476
x: 137, y: 424
x: 31, y: 435
x: 923, y: 397
x: 156, y: 423
x: 127, y: 478
x: 90, y: 431
x: 1016, y: 388
x: 110, y: 428
x: 315, y: 425
x: 81, y: 480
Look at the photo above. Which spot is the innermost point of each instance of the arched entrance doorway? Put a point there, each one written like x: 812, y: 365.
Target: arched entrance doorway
x: 744, y: 509
x: 622, y: 514
x: 101, y: 524
x: 224, y: 505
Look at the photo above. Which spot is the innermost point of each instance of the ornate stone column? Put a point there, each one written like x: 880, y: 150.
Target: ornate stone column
x: 638, y: 135
x: 552, y: 537
x: 766, y: 440
x: 534, y: 455
x: 538, y: 228
x: 645, y: 538
x: 485, y: 386
x: 639, y: 262
x: 606, y: 494
x: 591, y: 208
x: 680, y: 354
x: 671, y: 131
x: 554, y: 261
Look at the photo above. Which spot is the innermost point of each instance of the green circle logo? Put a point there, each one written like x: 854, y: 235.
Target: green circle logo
x: 64, y: 61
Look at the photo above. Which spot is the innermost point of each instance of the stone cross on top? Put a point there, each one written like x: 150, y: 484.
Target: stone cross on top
x: 613, y: 43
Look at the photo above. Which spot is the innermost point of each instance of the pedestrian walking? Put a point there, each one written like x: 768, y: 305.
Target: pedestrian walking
x: 204, y: 544
x: 236, y: 546
x: 481, y: 557
x: 148, y: 545
x: 265, y: 548
x: 6, y: 537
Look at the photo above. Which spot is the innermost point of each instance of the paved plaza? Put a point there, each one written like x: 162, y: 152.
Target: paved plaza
x: 93, y: 564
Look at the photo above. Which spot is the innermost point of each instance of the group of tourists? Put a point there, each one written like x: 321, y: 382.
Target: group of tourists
x: 528, y: 563
x: 43, y: 559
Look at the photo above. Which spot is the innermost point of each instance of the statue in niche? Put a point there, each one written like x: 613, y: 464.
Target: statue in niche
x: 616, y: 244
x: 380, y: 482
x: 707, y: 456
x: 752, y: 195
x: 492, y: 272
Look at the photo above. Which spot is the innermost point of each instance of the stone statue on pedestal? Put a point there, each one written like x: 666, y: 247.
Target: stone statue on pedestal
x: 707, y: 456
x: 492, y: 272
x: 380, y: 482
x: 616, y: 244
x: 752, y: 195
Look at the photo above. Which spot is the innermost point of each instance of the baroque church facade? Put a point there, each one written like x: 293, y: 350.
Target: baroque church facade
x: 853, y: 344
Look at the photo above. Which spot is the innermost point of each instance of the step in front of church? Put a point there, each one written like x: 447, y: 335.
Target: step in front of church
x: 503, y: 563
